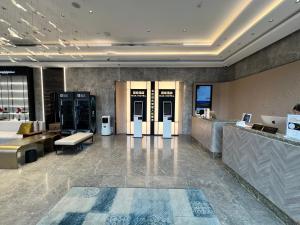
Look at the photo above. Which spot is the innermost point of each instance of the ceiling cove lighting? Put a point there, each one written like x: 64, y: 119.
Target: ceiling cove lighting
x: 236, y: 12
x: 216, y: 52
x: 18, y: 5
x: 246, y: 28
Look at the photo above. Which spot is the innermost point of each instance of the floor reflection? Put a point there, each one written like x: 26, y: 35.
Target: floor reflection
x: 155, y: 152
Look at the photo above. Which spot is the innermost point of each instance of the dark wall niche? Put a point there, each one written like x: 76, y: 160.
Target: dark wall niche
x: 53, y: 82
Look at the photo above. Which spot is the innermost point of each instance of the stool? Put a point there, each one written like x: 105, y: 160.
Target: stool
x: 30, y: 156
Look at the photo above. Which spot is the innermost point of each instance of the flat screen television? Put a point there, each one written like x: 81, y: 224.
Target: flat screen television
x: 203, y: 98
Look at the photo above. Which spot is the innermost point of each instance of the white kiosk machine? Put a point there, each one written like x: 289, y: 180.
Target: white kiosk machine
x: 138, y: 119
x: 167, y: 119
x: 105, y: 126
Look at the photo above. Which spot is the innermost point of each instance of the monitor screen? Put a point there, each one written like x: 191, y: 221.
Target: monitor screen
x: 138, y: 108
x: 247, y: 117
x: 203, y: 97
x: 167, y: 107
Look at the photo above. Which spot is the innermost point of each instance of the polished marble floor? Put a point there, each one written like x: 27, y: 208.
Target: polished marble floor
x: 29, y: 193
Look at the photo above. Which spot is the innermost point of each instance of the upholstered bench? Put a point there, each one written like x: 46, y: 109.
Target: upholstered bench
x: 74, y: 140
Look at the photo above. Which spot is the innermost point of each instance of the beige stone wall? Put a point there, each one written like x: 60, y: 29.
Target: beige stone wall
x: 273, y: 92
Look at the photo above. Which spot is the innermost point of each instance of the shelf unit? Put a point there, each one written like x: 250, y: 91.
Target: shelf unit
x: 16, y: 93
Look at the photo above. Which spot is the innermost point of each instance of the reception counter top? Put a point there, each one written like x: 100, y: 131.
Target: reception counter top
x: 209, y: 132
x: 279, y: 137
x: 269, y: 163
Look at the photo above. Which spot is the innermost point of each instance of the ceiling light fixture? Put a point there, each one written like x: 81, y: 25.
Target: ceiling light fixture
x: 11, y: 59
x: 18, y: 5
x: 31, y: 58
x: 61, y: 43
x: 3, y: 39
x: 5, y: 22
x: 40, y: 33
x: 184, y: 30
x: 31, y: 52
x: 14, y: 33
x: 91, y: 12
x: 270, y: 20
x: 45, y: 46
x: 35, y: 38
x: 52, y: 24
x: 297, y: 1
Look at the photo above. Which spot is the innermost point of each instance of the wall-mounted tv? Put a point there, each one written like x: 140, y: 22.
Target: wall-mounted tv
x: 203, y: 99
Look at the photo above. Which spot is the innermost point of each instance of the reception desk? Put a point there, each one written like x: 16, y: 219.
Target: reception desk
x: 269, y: 163
x: 209, y: 133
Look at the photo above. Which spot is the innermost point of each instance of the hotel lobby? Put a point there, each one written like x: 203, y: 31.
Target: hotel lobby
x: 150, y: 112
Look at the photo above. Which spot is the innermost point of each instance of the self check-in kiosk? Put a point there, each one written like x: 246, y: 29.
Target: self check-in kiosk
x: 138, y: 119
x: 167, y: 119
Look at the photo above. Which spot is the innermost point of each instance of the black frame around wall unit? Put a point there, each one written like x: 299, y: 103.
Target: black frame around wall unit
x: 28, y: 72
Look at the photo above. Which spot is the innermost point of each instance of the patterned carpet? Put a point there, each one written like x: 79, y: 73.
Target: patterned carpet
x: 131, y: 206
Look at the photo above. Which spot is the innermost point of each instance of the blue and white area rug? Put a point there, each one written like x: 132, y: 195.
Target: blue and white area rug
x: 131, y: 206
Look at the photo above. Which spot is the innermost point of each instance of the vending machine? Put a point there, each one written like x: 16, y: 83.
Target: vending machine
x: 67, y: 113
x: 85, y: 112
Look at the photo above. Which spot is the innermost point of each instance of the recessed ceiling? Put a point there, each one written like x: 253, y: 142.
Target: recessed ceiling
x: 195, y: 32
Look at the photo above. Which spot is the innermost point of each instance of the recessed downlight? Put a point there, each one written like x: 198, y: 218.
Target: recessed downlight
x: 91, y: 12
x: 184, y: 30
x: 297, y: 1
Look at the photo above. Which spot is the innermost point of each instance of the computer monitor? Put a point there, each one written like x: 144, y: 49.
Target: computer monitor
x: 247, y: 117
x: 167, y: 108
x: 138, y: 108
x: 275, y: 121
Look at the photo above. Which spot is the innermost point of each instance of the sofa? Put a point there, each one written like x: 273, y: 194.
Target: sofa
x: 9, y: 129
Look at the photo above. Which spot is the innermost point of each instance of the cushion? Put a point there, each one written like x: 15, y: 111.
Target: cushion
x: 74, y: 139
x: 25, y: 128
